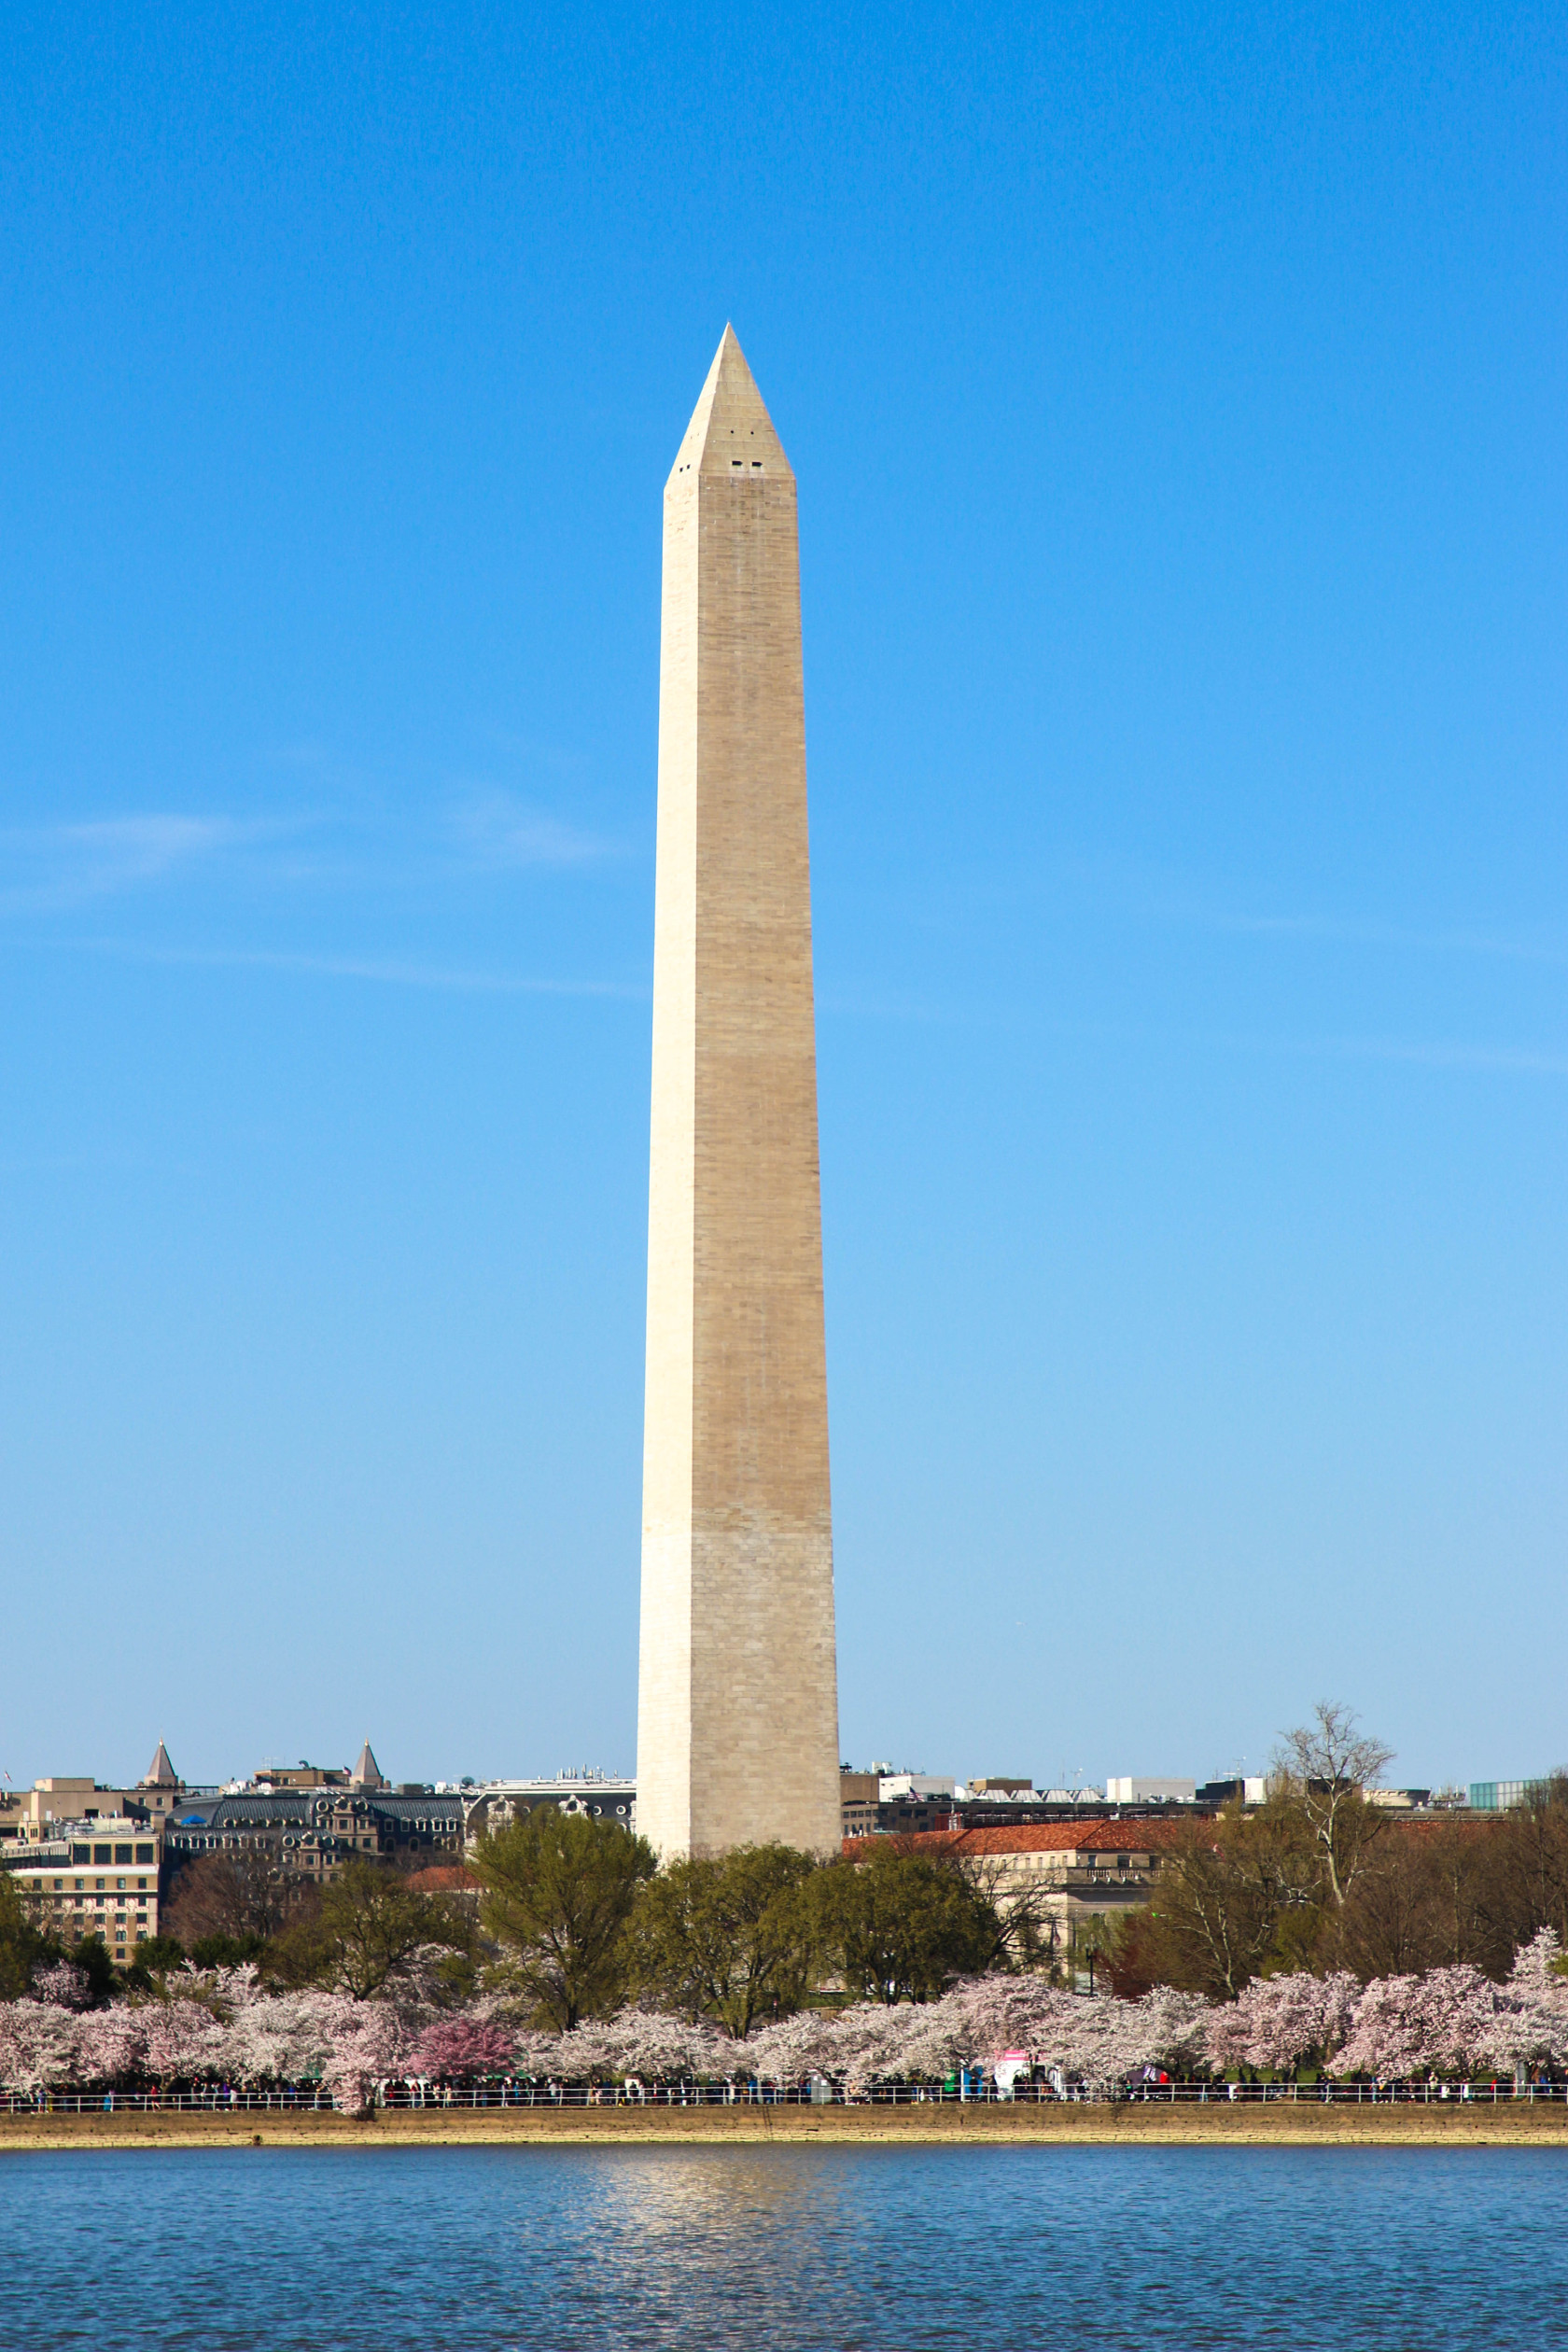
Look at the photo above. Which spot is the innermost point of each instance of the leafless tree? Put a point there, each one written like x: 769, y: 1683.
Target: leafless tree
x: 1329, y: 1766
x: 240, y: 1891
x: 1026, y: 1929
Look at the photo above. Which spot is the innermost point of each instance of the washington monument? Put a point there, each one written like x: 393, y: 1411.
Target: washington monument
x: 737, y: 1697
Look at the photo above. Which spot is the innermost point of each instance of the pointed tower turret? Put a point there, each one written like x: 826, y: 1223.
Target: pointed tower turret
x: 161, y: 1774
x: 367, y: 1772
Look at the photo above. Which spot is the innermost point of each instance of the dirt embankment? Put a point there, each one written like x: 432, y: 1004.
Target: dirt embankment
x: 1469, y: 2123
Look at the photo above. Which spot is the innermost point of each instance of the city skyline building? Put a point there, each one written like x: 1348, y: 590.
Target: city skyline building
x: 737, y: 1698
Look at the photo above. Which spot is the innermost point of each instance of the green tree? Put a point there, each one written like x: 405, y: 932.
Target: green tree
x: 226, y: 1952
x: 731, y: 1937
x: 559, y: 1892
x: 369, y: 1934
x: 92, y: 1956
x: 155, y: 1956
x: 901, y: 1925
x: 24, y: 1945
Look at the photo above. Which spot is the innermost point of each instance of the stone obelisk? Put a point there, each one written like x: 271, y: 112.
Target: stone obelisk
x: 738, y: 1700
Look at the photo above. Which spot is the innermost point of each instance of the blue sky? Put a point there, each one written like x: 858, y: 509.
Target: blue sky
x: 1176, y: 396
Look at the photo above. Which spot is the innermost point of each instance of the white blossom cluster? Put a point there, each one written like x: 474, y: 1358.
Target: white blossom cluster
x: 1445, y: 2022
x: 224, y: 2025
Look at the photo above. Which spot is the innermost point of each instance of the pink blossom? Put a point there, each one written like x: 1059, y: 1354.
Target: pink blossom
x: 37, y: 2046
x: 111, y: 2045
x: 639, y: 2041
x: 281, y: 2037
x: 1442, y: 2022
x: 1529, y: 2026
x: 1279, y: 2021
x: 63, y: 1985
x: 367, y: 2043
x: 183, y: 2042
x: 1101, y: 2041
x: 792, y: 2048
x: 462, y: 2046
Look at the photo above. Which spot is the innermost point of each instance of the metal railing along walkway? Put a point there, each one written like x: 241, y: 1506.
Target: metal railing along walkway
x: 313, y: 2099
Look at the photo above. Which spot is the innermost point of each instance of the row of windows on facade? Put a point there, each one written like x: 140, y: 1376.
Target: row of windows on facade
x: 82, y: 1901
x: 206, y: 1842
x: 79, y: 1887
x: 114, y: 1855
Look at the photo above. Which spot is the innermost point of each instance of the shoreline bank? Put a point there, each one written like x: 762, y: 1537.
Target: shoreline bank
x: 1280, y: 2124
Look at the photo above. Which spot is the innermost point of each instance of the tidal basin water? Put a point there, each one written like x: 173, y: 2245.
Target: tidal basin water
x: 481, y: 2250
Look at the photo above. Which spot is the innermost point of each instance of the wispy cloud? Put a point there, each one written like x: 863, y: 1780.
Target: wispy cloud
x: 390, y: 972
x: 1120, y: 891
x: 494, y: 830
x: 1485, y: 1059
x: 1337, y: 931
x: 51, y: 867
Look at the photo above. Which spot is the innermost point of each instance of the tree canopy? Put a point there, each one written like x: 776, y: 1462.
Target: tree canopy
x: 369, y: 1934
x: 902, y: 1927
x: 559, y: 1892
x: 731, y: 1937
x: 23, y: 1946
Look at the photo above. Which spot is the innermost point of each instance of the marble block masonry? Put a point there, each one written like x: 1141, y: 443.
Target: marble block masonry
x: 737, y: 1699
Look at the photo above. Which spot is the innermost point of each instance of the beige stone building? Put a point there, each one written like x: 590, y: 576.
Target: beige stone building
x: 29, y: 1814
x: 859, y: 1797
x: 95, y: 1876
x: 1071, y: 1873
x: 737, y: 1703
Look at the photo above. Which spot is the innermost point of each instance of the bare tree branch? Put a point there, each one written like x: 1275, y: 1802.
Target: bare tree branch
x: 1329, y: 1766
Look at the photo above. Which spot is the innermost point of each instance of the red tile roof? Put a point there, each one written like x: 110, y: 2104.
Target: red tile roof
x: 1037, y: 1837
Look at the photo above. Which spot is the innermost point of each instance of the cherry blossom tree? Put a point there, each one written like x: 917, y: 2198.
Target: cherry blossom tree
x: 1439, y: 2022
x: 111, y: 2045
x: 37, y: 2046
x: 281, y: 2038
x: 1529, y: 2026
x: 63, y: 1985
x: 461, y: 2047
x: 1279, y: 2021
x: 642, y: 2041
x: 367, y: 2043
x: 1100, y: 2041
x: 182, y: 2042
x: 794, y: 2048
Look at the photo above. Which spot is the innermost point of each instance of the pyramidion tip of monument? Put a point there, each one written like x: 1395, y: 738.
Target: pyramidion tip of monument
x: 731, y: 432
